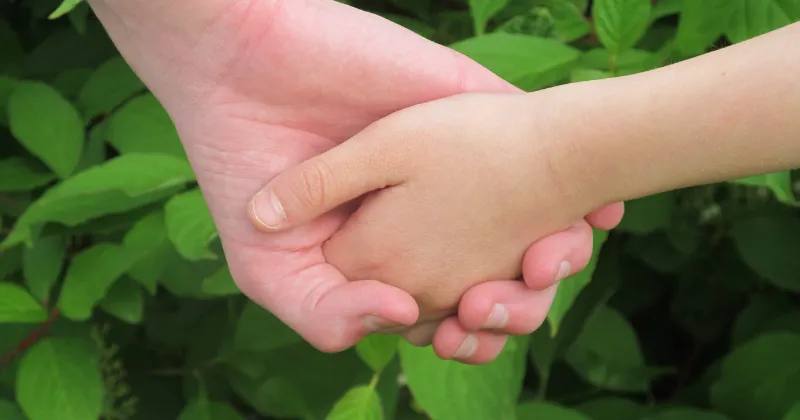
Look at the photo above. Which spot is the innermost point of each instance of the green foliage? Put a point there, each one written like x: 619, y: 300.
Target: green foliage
x: 59, y: 142
x: 360, y: 403
x: 66, y: 373
x: 451, y: 390
x: 116, y: 302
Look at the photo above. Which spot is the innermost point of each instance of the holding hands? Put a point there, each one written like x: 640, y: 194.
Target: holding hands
x: 458, y: 187
x: 407, y: 187
x: 257, y: 87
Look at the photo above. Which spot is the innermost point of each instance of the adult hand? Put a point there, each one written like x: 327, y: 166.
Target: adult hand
x: 257, y: 86
x: 447, y: 203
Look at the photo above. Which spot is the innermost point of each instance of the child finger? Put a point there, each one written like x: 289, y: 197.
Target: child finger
x: 558, y: 256
x: 508, y: 307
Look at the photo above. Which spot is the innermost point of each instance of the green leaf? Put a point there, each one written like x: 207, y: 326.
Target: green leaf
x: 143, y: 126
x: 528, y: 62
x: 10, y: 262
x: 607, y: 354
x: 66, y: 49
x: 185, y: 278
x: 59, y: 378
x: 620, y: 24
x: 762, y: 310
x: 752, y: 18
x: 418, y: 26
x: 42, y: 264
x: 701, y: 23
x: 89, y: 278
x: 449, y: 390
x: 482, y: 11
x: 540, y: 410
x: 79, y: 17
x: 17, y: 306
x: 149, y: 248
x: 94, y: 151
x: 388, y: 389
x: 626, y: 62
x: 220, y: 284
x: 65, y: 7
x: 258, y: 329
x: 359, y: 403
x: 10, y: 411
x: 47, y: 125
x: 569, y: 288
x: 569, y: 21
x: 202, y: 409
x: 664, y: 8
x: 69, y: 82
x: 275, y: 396
x: 377, y: 350
x: 779, y: 183
x: 297, y: 381
x: 11, y: 56
x: 686, y: 413
x: 770, y: 246
x: 794, y: 413
x: 613, y: 408
x: 125, y: 301
x: 190, y: 226
x: 548, y: 347
x: 108, y: 86
x: 421, y: 8
x: 760, y: 379
x: 7, y: 86
x: 648, y: 214
x: 23, y: 174
x: 118, y: 185
x: 584, y: 75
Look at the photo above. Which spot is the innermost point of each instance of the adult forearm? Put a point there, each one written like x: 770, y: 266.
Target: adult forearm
x: 728, y: 114
x: 161, y: 37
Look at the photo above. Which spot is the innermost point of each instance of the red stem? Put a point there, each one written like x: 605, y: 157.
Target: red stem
x: 31, y: 339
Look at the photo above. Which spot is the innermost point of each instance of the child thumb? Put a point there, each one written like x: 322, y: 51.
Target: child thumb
x: 311, y: 189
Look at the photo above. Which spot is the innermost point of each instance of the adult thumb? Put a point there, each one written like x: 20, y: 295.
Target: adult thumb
x: 311, y: 189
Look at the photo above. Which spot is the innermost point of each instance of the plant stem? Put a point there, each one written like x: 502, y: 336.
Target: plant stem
x: 31, y: 339
x: 375, y: 378
x: 544, y: 378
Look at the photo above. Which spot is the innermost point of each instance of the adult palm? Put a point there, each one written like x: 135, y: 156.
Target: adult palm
x: 256, y: 86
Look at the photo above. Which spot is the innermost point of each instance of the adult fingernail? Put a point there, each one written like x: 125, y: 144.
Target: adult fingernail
x: 498, y: 318
x: 376, y: 323
x: 563, y: 271
x: 467, y: 349
x: 268, y: 210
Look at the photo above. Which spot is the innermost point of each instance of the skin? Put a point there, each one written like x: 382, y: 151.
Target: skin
x: 456, y: 187
x: 257, y: 86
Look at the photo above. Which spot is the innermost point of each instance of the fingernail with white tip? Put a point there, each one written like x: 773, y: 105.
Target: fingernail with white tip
x: 498, y: 318
x: 467, y: 349
x: 563, y: 271
x: 268, y: 210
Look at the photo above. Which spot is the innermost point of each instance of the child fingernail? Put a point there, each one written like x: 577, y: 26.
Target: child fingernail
x: 563, y: 271
x: 376, y: 323
x: 467, y: 349
x: 268, y: 210
x: 421, y: 335
x: 497, y: 319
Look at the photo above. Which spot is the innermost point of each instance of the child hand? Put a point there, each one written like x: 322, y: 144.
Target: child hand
x: 465, y: 185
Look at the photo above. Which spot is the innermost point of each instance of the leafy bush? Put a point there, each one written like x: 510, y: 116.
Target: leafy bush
x: 115, y: 301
